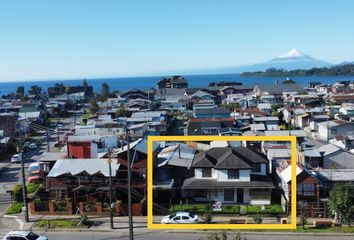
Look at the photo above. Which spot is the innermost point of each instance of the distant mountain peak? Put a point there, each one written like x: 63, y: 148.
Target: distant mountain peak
x: 293, y: 53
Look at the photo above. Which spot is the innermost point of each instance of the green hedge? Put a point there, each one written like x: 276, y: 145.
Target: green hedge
x: 15, y: 207
x: 198, y: 208
x: 269, y: 209
x: 202, y: 208
x: 227, y: 209
x: 230, y: 209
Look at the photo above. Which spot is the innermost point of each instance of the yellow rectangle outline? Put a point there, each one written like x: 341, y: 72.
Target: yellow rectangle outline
x: 151, y: 225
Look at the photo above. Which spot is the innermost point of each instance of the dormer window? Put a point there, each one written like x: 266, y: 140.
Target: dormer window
x: 233, y: 174
x: 256, y: 167
x: 206, y: 172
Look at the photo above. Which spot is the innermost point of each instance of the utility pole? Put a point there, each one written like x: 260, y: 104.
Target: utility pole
x: 48, y: 149
x: 58, y: 121
x: 110, y: 187
x: 131, y: 234
x: 24, y: 189
x: 75, y: 113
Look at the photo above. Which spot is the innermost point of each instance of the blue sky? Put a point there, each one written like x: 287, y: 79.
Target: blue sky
x: 77, y: 39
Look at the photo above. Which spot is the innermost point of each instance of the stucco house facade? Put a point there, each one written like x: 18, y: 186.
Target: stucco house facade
x: 230, y: 175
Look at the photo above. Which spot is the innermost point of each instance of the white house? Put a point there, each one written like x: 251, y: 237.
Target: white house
x: 230, y: 175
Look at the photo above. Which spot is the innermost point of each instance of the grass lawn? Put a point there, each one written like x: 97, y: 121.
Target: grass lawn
x: 311, y: 228
x: 343, y: 229
x: 14, y: 208
x: 59, y: 224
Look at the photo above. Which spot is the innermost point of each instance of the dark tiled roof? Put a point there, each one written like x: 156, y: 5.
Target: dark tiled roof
x: 215, y: 110
x: 256, y: 182
x: 280, y: 88
x: 228, y: 158
x: 191, y: 90
x: 231, y: 161
x: 212, y: 120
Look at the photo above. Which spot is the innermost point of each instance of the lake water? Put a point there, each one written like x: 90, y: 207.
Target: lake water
x: 150, y: 82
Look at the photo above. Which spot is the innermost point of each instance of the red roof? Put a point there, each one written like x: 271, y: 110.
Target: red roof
x: 343, y: 97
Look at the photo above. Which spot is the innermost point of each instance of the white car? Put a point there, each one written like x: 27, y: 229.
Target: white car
x: 60, y: 126
x: 17, y: 158
x: 23, y: 235
x: 32, y: 146
x: 180, y: 217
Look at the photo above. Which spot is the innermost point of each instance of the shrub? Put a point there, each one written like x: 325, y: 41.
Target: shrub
x: 15, y: 207
x: 60, y: 206
x: 90, y: 207
x: 32, y: 187
x: 40, y: 205
x: 207, y: 215
x: 258, y: 219
x: 17, y: 193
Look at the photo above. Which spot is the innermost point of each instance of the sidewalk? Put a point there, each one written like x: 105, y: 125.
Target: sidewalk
x: 121, y: 224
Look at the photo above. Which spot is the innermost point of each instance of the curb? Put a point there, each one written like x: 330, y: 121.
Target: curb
x: 193, y: 232
x: 328, y: 234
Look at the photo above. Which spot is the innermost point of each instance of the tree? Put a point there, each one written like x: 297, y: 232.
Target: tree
x: 341, y: 202
x: 122, y: 111
x: 289, y: 81
x: 94, y: 107
x: 105, y: 92
x: 20, y: 92
x: 35, y: 90
x: 303, y: 216
x: 84, y: 82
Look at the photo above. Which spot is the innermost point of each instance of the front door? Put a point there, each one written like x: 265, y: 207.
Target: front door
x: 239, y: 195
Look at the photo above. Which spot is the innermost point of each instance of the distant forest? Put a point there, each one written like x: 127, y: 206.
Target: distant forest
x: 337, y: 70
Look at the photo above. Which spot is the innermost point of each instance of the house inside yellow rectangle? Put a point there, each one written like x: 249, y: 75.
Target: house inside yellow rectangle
x: 227, y: 170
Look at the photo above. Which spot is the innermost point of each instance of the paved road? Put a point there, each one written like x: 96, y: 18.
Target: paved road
x: 157, y: 235
x: 11, y: 173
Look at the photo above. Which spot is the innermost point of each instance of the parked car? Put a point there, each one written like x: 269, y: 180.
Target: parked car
x: 23, y: 235
x: 60, y: 126
x: 180, y: 217
x: 33, y: 146
x: 17, y: 158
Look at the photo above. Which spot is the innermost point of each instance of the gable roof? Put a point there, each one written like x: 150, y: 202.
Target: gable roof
x: 280, y: 88
x: 77, y: 166
x: 228, y: 158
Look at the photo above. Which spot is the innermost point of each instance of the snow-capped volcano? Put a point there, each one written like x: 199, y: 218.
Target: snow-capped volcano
x: 294, y: 59
x: 293, y: 55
